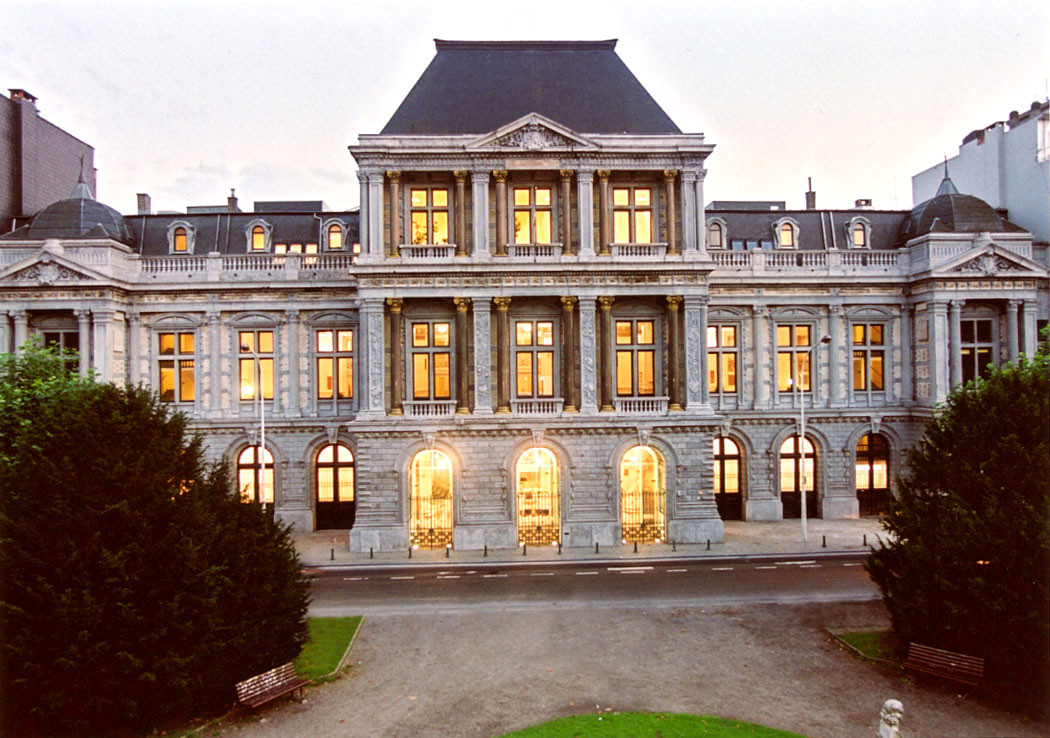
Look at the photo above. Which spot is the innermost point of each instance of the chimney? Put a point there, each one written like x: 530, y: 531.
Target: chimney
x: 863, y: 203
x: 145, y: 206
x: 811, y: 196
x: 18, y: 95
x: 231, y: 202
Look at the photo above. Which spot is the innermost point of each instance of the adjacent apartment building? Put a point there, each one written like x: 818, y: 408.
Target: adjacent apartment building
x: 533, y: 330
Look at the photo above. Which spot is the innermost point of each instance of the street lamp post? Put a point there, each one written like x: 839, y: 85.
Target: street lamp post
x: 800, y: 394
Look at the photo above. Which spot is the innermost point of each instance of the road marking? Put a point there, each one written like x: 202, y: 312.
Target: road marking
x: 402, y: 577
x: 472, y: 571
x: 586, y: 573
x: 721, y: 568
x: 765, y: 567
x: 795, y: 563
x: 811, y: 566
x: 542, y: 574
x: 448, y: 576
x: 490, y: 576
x: 632, y: 571
x: 853, y: 564
x: 676, y: 571
x: 353, y: 579
x: 629, y: 568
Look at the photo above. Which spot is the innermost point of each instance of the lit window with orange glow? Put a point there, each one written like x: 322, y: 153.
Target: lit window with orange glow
x: 635, y: 358
x: 430, y: 500
x: 335, y: 364
x: 642, y: 495
x: 258, y: 238
x: 255, y: 364
x: 178, y: 240
x: 532, y: 215
x: 255, y: 475
x: 431, y: 352
x: 429, y: 216
x: 534, y: 358
x: 721, y: 359
x: 175, y: 368
x: 632, y: 215
x: 787, y: 236
x: 335, y: 237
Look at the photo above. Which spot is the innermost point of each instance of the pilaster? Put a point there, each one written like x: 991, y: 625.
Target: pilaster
x: 396, y: 393
x: 482, y: 356
x: 568, y: 353
x: 762, y: 358
x: 955, y: 340
x: 674, y: 353
x: 84, y: 339
x: 502, y: 354
x: 585, y: 212
x: 479, y: 182
x: 588, y: 358
x: 395, y: 212
x: 372, y: 313
x: 603, y: 213
x: 605, y: 303
x: 566, y: 212
x: 669, y: 212
x: 838, y: 356
x: 462, y: 377
x: 687, y: 198
x: 1031, y: 337
x: 294, y: 355
x: 461, y: 212
x: 21, y: 321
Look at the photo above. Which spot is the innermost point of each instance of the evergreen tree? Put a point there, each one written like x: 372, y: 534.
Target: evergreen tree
x: 135, y: 584
x: 967, y: 563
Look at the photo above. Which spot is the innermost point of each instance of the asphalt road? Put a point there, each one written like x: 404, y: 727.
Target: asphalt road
x: 495, y: 588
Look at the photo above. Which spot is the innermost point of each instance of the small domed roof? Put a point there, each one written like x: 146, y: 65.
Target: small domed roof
x: 79, y: 216
x: 950, y: 212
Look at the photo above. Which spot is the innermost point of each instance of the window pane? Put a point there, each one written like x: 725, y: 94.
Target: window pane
x: 876, y: 370
x: 645, y: 332
x: 712, y: 336
x: 623, y: 332
x: 247, y: 379
x: 280, y: 248
x: 440, y: 228
x: 728, y: 335
x: 346, y: 377
x: 325, y: 380
x: 984, y: 330
x: 439, y: 198
x: 419, y: 198
x: 419, y: 227
x: 522, y: 229
x: 787, y: 235
x: 732, y: 476
x: 543, y: 196
x: 420, y: 334
x: 642, y: 197
x: 186, y: 343
x: 802, y: 371
x: 441, y: 334
x: 545, y: 334
x: 522, y: 197
x: 180, y: 239
x: 266, y: 369
x: 325, y: 484
x: 967, y: 329
x: 246, y: 484
x: 167, y: 381
x: 624, y: 373
x: 875, y: 334
x: 523, y: 334
x: 621, y: 197
x: 324, y: 341
x: 787, y: 475
x: 858, y: 334
x: 421, y: 376
x: 729, y: 372
x: 784, y: 371
x: 712, y: 372
x: 859, y: 371
x: 646, y: 379
x: 881, y: 474
x: 265, y: 342
x: 801, y: 335
x: 167, y: 343
x: 643, y: 229
x: 783, y: 335
x: 545, y: 374
x: 246, y: 341
x: 186, y: 385
x: 858, y: 235
x: 524, y: 374
x: 442, y: 383
x: 267, y: 485
x: 714, y: 236
x: 621, y: 226
x: 346, y: 483
x: 543, y: 226
x: 863, y: 474
x: 335, y: 237
x: 346, y: 340
x: 807, y: 472
x: 258, y: 238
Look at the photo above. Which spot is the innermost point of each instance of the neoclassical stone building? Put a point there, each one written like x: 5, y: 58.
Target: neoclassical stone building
x: 533, y: 330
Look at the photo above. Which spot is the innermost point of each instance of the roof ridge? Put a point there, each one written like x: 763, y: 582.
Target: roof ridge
x: 448, y: 45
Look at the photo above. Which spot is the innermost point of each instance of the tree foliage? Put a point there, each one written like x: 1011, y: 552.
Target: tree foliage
x: 967, y: 564
x: 135, y: 584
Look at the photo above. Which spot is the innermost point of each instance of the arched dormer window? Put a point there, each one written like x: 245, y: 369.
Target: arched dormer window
x: 858, y: 233
x: 716, y: 235
x: 334, y: 233
x: 258, y: 234
x: 181, y: 238
x: 785, y: 233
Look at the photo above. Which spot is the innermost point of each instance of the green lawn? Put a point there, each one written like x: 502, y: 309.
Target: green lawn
x: 879, y: 644
x: 329, y: 638
x: 648, y: 725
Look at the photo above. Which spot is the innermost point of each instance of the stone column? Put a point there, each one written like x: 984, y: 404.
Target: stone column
x: 954, y: 340
x: 674, y: 353
x: 1031, y: 337
x: 701, y: 214
x: 396, y: 391
x: 566, y: 211
x: 907, y: 393
x: 395, y: 212
x: 688, y: 203
x: 603, y: 213
x: 375, y: 214
x: 588, y: 358
x: 940, y: 350
x: 696, y: 353
x: 1012, y: 333
x: 21, y: 319
x: 294, y: 354
x: 5, y: 333
x: 479, y: 182
x: 134, y: 328
x: 462, y: 385
x: 366, y: 246
x: 606, y: 352
x: 836, y: 377
x: 568, y: 354
x: 502, y: 354
x: 101, y: 324
x: 482, y: 357
x: 762, y: 357
x: 501, y: 212
x: 585, y: 212
x: 461, y: 212
x: 705, y: 391
x: 669, y: 211
x: 371, y: 311
x: 214, y: 373
x: 84, y: 339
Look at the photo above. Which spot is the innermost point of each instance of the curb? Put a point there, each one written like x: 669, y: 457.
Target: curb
x: 346, y: 653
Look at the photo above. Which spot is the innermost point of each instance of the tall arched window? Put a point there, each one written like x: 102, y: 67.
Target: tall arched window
x: 258, y: 238
x: 787, y: 236
x: 642, y: 495
x: 336, y: 505
x: 335, y: 236
x: 714, y: 236
x: 860, y: 236
x: 539, y: 518
x: 178, y: 240
x: 431, y: 500
x: 727, y: 478
x: 794, y: 475
x: 255, y: 476
x: 873, y: 474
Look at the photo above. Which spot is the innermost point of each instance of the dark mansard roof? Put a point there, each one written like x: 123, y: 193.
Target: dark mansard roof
x: 78, y: 216
x: 951, y: 212
x: 818, y: 230
x: 479, y: 86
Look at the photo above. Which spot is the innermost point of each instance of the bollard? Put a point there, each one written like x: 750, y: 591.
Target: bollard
x: 524, y: 549
x: 674, y: 546
x: 409, y: 552
x: 595, y: 547
x: 559, y: 548
x: 370, y: 552
x: 823, y: 541
x: 447, y: 549
x: 636, y: 546
x: 331, y: 556
x: 708, y: 544
x: 865, y: 540
x: 486, y: 550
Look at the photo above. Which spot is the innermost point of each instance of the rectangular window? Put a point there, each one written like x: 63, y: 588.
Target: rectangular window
x: 976, y: 348
x: 632, y: 215
x: 429, y: 216
x: 869, y: 357
x: 256, y: 363
x: 67, y: 342
x: 175, y: 368
x: 635, y: 358
x: 431, y: 360
x: 721, y: 359
x: 793, y: 361
x: 533, y: 208
x: 534, y: 358
x: 335, y: 364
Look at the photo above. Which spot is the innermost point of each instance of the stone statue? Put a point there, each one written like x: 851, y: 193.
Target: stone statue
x: 890, y: 719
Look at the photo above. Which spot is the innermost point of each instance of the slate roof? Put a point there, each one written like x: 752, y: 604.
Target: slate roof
x: 818, y: 230
x: 78, y: 216
x: 951, y: 212
x: 479, y: 86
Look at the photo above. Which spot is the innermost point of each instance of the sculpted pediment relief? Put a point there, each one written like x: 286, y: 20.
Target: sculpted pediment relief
x: 990, y: 259
x: 46, y: 269
x: 533, y: 132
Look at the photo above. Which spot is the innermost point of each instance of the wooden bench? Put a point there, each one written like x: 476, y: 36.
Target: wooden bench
x: 270, y: 685
x: 945, y: 664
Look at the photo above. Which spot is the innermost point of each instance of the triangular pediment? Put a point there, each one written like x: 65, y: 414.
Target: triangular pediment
x: 532, y: 133
x: 47, y: 268
x: 990, y: 259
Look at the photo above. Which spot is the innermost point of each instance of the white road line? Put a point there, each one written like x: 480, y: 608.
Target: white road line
x: 542, y: 574
x: 353, y: 579
x: 721, y: 568
x: 491, y: 576
x: 812, y: 566
x: 629, y: 568
x: 448, y: 576
x: 586, y: 573
x: 632, y: 571
x: 676, y: 571
x: 402, y: 577
x: 765, y: 567
x: 472, y: 571
x: 853, y: 563
x: 795, y: 563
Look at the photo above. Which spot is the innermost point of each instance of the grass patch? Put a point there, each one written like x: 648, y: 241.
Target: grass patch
x: 881, y: 645
x: 648, y: 725
x: 329, y: 638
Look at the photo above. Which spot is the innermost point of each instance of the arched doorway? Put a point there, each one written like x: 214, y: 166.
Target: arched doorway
x: 727, y: 478
x: 873, y: 474
x: 431, y: 500
x: 336, y: 504
x: 539, y: 511
x: 642, y: 495
x: 255, y: 476
x: 793, y: 477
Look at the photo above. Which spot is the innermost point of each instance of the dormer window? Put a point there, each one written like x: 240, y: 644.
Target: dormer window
x: 858, y: 231
x: 259, y: 235
x: 785, y: 232
x: 178, y: 241
x: 716, y: 235
x: 181, y: 237
x: 335, y: 237
x: 258, y: 239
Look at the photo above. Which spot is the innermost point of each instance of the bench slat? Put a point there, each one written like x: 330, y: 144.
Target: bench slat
x: 958, y: 667
x: 269, y: 685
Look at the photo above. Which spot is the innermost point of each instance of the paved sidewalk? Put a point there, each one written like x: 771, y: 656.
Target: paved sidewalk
x: 330, y: 548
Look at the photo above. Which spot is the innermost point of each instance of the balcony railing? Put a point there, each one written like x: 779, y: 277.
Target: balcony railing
x: 640, y: 405
x: 639, y: 250
x: 536, y: 407
x: 429, y: 408
x: 427, y: 250
x: 534, y: 250
x: 827, y: 262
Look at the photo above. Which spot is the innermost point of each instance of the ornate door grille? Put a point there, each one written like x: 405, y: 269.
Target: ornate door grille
x: 431, y: 500
x: 538, y: 493
x: 642, y: 495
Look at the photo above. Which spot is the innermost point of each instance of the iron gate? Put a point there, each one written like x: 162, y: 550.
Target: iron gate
x: 539, y: 516
x: 431, y: 500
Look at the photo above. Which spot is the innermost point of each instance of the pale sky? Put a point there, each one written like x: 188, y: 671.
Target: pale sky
x: 184, y: 101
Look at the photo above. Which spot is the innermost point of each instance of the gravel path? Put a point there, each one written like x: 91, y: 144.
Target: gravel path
x: 482, y: 674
